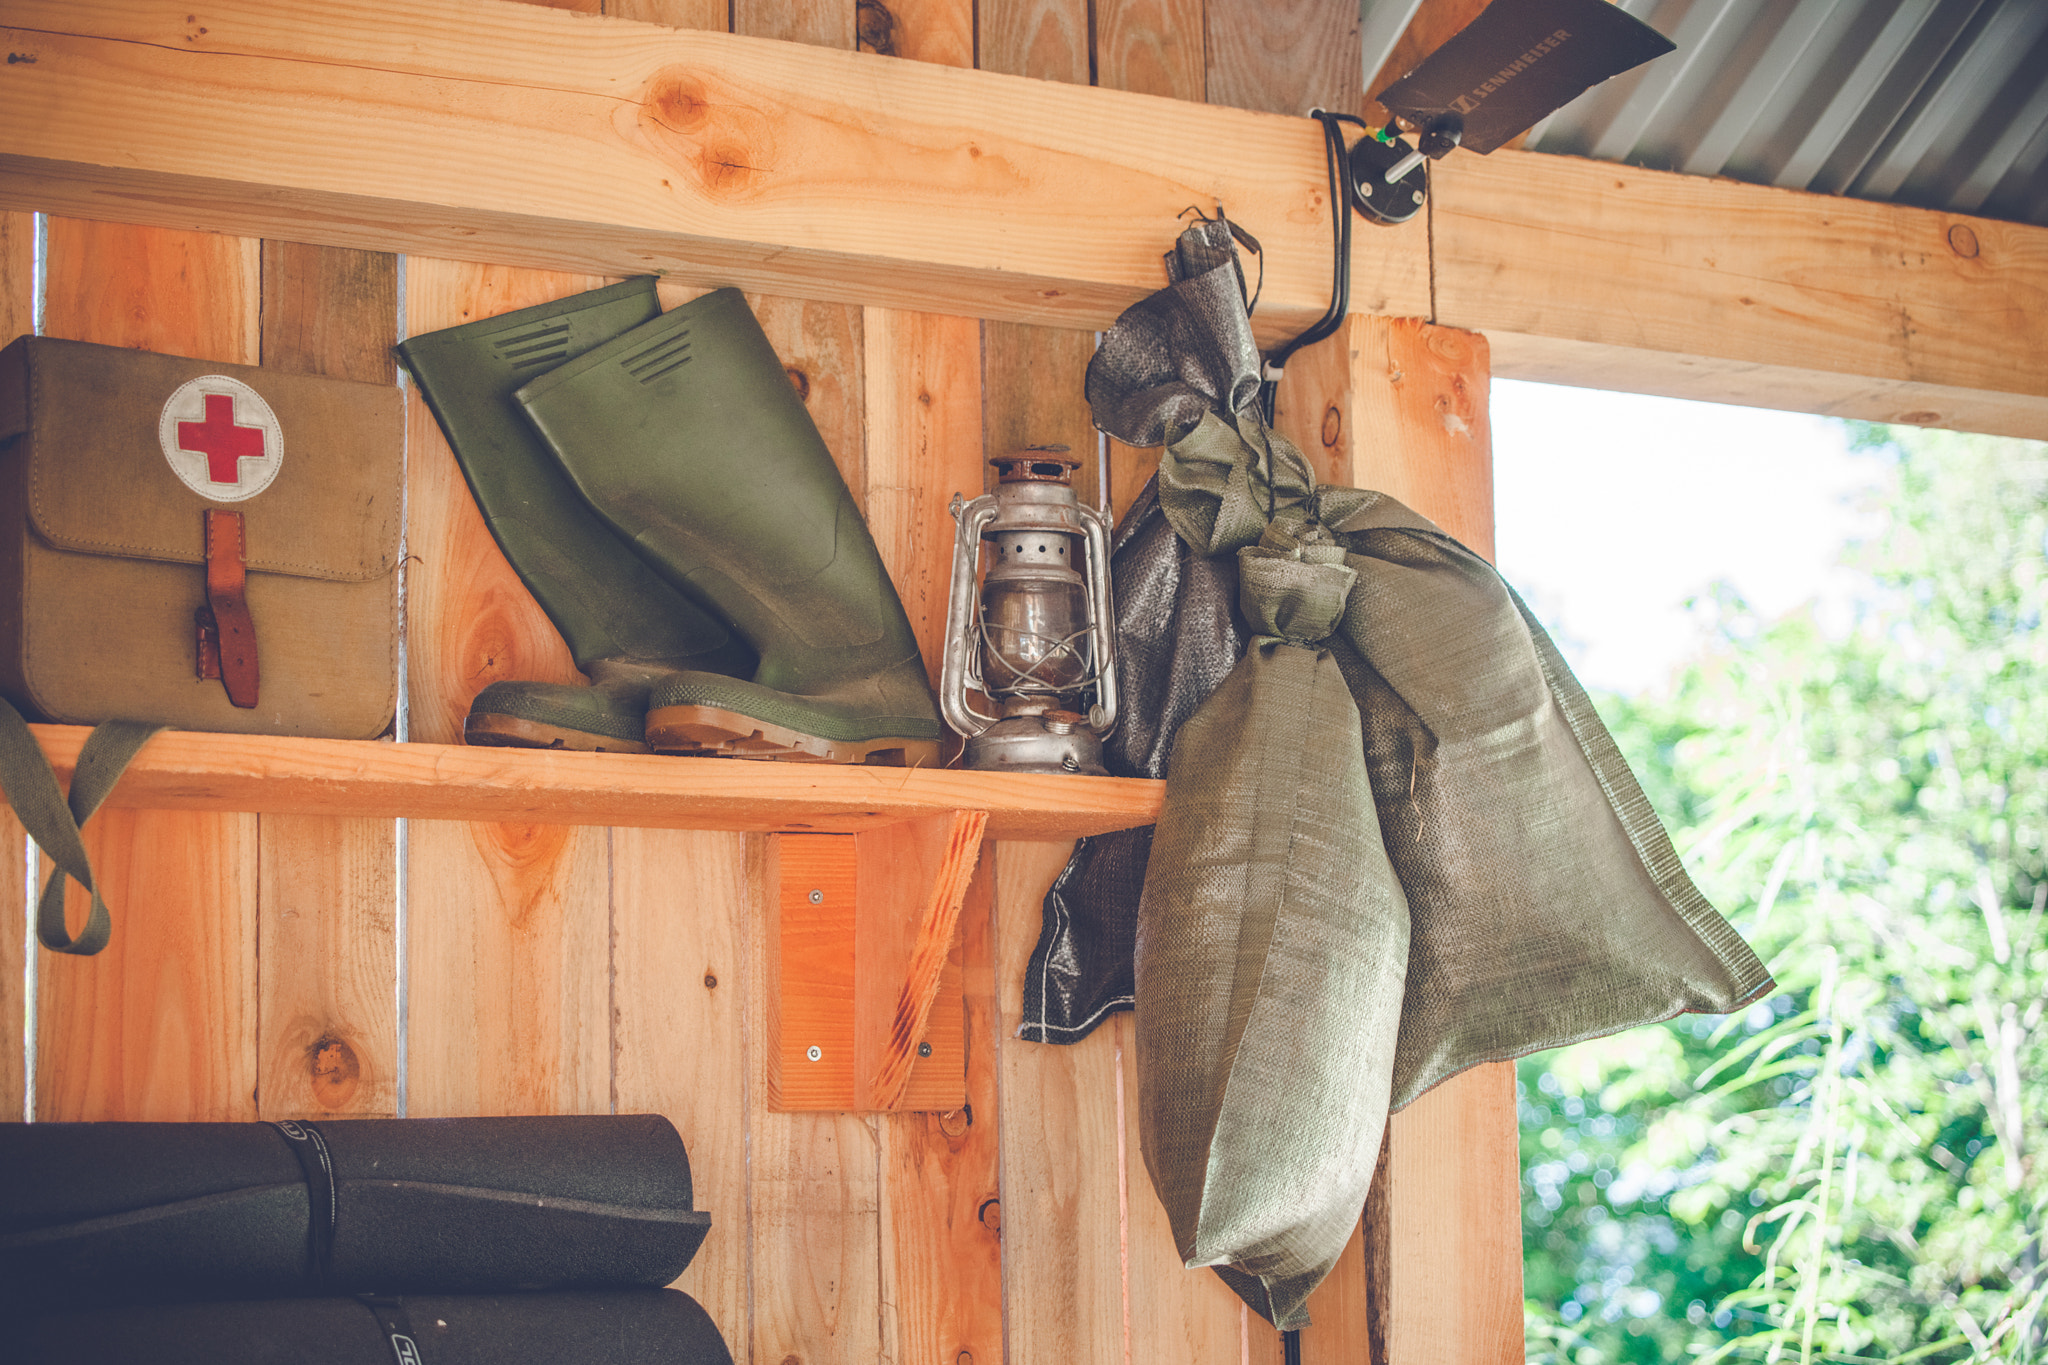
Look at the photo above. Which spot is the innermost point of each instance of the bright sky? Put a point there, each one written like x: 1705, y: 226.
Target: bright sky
x: 1613, y: 509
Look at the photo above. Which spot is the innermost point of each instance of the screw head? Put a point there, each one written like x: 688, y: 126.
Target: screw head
x: 817, y: 896
x: 1415, y: 195
x: 814, y: 1052
x: 924, y: 1049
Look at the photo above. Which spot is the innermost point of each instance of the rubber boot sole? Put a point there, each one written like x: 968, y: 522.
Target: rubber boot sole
x: 690, y: 729
x: 514, y: 732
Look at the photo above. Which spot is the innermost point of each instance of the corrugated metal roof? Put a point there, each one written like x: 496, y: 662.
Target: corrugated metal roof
x: 1935, y: 103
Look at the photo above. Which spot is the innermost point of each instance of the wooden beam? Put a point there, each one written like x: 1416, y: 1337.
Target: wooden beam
x: 529, y: 136
x: 1583, y: 272
x: 180, y: 770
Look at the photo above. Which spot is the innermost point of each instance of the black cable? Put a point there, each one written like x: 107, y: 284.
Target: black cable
x: 1336, y: 156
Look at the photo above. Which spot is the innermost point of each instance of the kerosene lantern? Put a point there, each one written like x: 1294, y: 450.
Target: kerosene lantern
x: 1029, y: 625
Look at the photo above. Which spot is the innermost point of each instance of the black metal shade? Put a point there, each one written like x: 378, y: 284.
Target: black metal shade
x: 1519, y: 61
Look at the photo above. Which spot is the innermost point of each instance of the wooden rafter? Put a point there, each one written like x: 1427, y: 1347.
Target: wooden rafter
x: 483, y: 130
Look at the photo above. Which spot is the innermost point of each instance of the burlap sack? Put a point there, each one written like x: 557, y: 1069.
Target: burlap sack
x: 1543, y: 901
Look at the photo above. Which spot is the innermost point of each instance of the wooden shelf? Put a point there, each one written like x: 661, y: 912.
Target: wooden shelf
x: 182, y: 770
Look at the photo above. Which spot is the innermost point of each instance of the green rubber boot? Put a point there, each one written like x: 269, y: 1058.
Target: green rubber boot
x: 687, y: 437
x: 625, y: 626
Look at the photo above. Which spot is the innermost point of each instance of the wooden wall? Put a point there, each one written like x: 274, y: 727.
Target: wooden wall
x: 269, y: 966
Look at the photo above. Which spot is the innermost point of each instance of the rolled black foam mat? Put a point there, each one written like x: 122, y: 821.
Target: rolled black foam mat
x: 587, y: 1327
x: 99, y: 1212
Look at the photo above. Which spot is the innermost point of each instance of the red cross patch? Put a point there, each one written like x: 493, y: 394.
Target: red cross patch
x: 221, y: 439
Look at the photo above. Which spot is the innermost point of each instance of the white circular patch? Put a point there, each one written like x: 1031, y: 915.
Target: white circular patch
x: 221, y: 438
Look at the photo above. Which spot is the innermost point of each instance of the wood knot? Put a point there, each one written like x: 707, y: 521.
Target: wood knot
x: 676, y: 100
x: 874, y: 27
x: 955, y: 1122
x: 1333, y: 427
x: 1963, y: 241
x: 1918, y: 418
x: 991, y: 1214
x: 799, y: 381
x: 334, y: 1070
x: 710, y: 982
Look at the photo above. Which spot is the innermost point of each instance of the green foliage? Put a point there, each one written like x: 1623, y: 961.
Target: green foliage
x: 1855, y: 1169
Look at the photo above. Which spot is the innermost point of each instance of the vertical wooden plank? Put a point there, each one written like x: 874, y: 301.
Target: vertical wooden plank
x: 1153, y: 47
x: 1457, y: 1220
x: 924, y: 446
x: 17, y: 275
x: 814, y: 1185
x: 1339, y: 1312
x: 941, y: 1254
x: 821, y: 350
x: 153, y: 289
x: 470, y: 622
x: 821, y: 23
x: 711, y: 14
x: 940, y: 31
x: 1032, y: 377
x: 1177, y: 1314
x: 1419, y: 413
x: 1313, y: 406
x: 507, y: 929
x: 327, y: 1012
x: 1158, y: 47
x: 942, y: 1285
x: 682, y: 902
x: 814, y: 1219
x: 508, y: 945
x: 1284, y: 56
x: 1032, y: 396
x: 161, y: 1025
x: 682, y: 971
x: 1047, y: 39
x: 942, y: 1273
x: 17, y: 317
x: 1062, y: 1175
x: 327, y: 1017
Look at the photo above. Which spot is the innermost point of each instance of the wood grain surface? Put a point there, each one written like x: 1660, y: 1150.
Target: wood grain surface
x: 162, y: 1023
x: 1419, y: 407
x: 555, y: 964
x: 777, y: 166
x: 1063, y: 1175
x: 682, y: 904
x: 327, y: 1021
x: 600, y: 144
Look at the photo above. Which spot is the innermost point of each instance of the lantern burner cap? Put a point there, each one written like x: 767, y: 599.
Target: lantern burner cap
x: 1036, y: 464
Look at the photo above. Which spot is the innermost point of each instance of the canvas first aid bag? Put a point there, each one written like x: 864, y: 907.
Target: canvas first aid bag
x: 193, y: 545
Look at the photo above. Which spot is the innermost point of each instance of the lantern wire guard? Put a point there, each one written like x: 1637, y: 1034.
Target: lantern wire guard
x: 1031, y: 630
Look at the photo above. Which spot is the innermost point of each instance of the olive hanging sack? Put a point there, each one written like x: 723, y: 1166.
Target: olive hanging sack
x: 1397, y: 841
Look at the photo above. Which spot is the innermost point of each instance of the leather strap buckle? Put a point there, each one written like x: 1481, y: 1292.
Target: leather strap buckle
x: 226, y: 631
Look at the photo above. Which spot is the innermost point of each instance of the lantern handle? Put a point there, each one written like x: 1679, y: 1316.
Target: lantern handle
x: 963, y: 616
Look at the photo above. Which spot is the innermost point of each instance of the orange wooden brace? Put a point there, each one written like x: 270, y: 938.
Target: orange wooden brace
x: 866, y: 1009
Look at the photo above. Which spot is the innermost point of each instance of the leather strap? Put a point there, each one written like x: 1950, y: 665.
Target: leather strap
x: 397, y: 1327
x: 324, y: 1209
x: 234, y: 630
x: 52, y: 821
